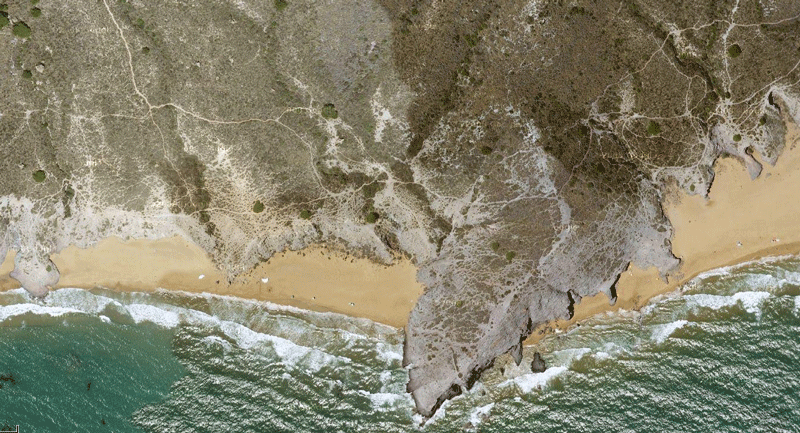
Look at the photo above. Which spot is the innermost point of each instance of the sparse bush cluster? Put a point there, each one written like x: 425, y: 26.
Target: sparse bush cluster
x: 734, y: 51
x: 653, y: 128
x: 509, y: 255
x: 329, y: 111
x: 258, y: 207
x: 20, y: 29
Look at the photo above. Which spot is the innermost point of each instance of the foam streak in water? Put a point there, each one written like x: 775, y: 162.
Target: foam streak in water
x: 662, y: 332
x: 751, y: 301
x: 480, y: 413
x: 9, y: 311
x: 531, y: 381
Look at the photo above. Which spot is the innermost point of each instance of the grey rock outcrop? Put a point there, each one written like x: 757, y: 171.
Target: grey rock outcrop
x: 518, y: 151
x: 537, y: 364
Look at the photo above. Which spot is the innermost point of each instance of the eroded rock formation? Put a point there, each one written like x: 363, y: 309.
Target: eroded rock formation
x: 517, y: 151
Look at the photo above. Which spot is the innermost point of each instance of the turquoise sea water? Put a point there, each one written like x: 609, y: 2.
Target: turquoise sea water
x: 723, y: 355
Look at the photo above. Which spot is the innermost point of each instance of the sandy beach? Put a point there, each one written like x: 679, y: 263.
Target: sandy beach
x: 315, y: 278
x: 741, y: 220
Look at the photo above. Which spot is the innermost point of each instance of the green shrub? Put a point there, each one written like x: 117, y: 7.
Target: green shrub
x: 258, y: 207
x: 33, y: 2
x: 762, y: 121
x: 21, y: 30
x: 734, y: 51
x: 486, y: 150
x: 653, y: 128
x: 39, y: 175
x: 329, y: 111
x: 737, y: 138
x: 305, y: 214
x: 372, y: 217
x: 495, y: 246
x: 471, y: 39
x: 3, y: 19
x: 36, y: 12
x: 281, y: 4
x: 27, y: 74
x: 510, y: 255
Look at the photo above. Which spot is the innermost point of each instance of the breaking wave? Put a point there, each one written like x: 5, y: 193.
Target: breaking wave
x: 730, y: 336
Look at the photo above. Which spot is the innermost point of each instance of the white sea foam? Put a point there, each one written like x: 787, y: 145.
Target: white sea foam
x: 480, y: 413
x: 213, y: 339
x: 714, y: 302
x: 792, y: 277
x: 602, y: 355
x: 290, y: 353
x: 14, y: 310
x: 439, y: 414
x: 531, y: 381
x: 726, y: 270
x: 73, y: 300
x: 385, y: 378
x: 18, y: 291
x: 751, y: 301
x: 796, y: 304
x: 148, y: 313
x: 356, y: 322
x: 714, y: 273
x: 662, y: 332
x: 383, y: 401
x: 567, y: 356
x: 79, y: 299
x: 388, y: 352
x: 769, y: 281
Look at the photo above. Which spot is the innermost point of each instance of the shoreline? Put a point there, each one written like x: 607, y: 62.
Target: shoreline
x: 315, y: 278
x: 742, y: 220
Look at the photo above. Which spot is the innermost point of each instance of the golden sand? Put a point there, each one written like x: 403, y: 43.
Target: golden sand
x: 741, y: 220
x: 314, y: 278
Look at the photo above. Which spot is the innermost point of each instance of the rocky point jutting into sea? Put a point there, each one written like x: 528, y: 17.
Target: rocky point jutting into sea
x: 518, y: 152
